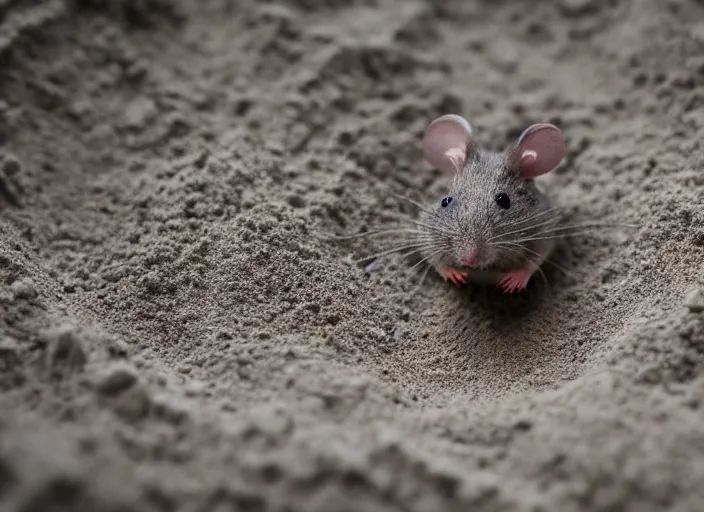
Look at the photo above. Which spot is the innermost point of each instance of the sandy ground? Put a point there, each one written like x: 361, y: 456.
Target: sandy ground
x: 178, y: 335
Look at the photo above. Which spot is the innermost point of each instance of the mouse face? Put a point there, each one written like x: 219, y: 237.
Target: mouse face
x: 493, y: 212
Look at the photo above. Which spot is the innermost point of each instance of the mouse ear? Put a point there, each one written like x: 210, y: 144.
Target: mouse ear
x: 539, y: 149
x: 446, y: 142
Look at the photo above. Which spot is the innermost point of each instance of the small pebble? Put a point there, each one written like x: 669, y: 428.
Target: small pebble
x: 169, y: 408
x: 139, y: 113
x: 201, y: 159
x: 395, y: 333
x: 23, y: 289
x: 695, y: 300
x: 9, y: 353
x: 8, y: 346
x: 371, y: 266
x: 11, y: 165
x: 132, y: 404
x: 65, y: 347
x: 117, y: 379
x: 504, y: 55
x: 116, y: 347
x: 577, y: 7
x: 270, y: 421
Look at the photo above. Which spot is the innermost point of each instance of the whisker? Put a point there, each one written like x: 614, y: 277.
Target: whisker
x: 554, y: 211
x: 409, y: 228
x: 547, y: 260
x: 564, y: 232
x: 513, y: 250
x: 415, y: 203
x: 538, y: 269
x: 553, y: 237
x: 420, y: 283
x: 376, y: 233
x: 597, y: 225
x: 427, y: 258
x: 524, y: 230
x: 433, y: 229
x: 437, y: 228
x: 542, y: 274
x: 426, y: 209
x: 537, y: 225
x: 416, y: 247
x: 413, y: 251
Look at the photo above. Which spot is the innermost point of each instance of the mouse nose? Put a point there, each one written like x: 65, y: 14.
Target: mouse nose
x: 470, y: 257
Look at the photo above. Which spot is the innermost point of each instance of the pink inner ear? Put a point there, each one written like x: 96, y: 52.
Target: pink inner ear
x: 445, y: 142
x: 541, y: 147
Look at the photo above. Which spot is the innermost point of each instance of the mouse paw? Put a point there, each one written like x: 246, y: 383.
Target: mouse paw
x: 514, y: 280
x: 457, y: 276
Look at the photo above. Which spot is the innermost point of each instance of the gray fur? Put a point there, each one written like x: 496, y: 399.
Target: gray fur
x: 473, y: 217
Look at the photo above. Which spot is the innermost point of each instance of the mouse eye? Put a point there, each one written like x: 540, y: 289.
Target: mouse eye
x: 503, y: 200
x: 445, y: 201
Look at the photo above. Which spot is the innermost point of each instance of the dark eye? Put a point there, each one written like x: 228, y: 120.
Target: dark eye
x: 503, y: 200
x: 445, y: 201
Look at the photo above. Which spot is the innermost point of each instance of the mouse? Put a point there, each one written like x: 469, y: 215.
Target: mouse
x: 494, y: 226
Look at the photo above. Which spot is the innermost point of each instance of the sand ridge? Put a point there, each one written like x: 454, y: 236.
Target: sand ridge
x: 178, y: 332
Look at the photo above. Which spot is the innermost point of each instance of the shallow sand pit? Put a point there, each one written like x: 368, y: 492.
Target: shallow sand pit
x: 176, y: 334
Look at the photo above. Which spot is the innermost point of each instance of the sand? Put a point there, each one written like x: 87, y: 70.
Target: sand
x: 179, y: 334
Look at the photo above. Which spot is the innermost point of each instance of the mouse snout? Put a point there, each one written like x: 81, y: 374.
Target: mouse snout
x: 470, y: 256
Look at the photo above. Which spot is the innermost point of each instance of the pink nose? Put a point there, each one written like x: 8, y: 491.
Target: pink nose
x: 470, y: 257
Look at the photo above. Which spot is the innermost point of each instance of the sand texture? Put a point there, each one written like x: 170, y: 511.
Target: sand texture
x: 177, y: 332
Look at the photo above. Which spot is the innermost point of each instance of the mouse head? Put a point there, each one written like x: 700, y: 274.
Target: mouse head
x: 491, y: 195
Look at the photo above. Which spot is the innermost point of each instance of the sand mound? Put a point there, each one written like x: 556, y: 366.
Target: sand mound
x: 178, y: 334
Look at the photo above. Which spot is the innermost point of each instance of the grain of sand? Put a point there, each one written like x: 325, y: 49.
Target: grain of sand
x: 176, y: 334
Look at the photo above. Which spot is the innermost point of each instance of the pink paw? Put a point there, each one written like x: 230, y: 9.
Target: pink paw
x: 456, y: 276
x: 515, y: 280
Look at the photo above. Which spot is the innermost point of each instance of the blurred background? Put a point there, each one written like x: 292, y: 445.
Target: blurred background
x: 176, y: 332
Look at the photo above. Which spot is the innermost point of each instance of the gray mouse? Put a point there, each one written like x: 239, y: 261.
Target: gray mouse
x: 494, y: 226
